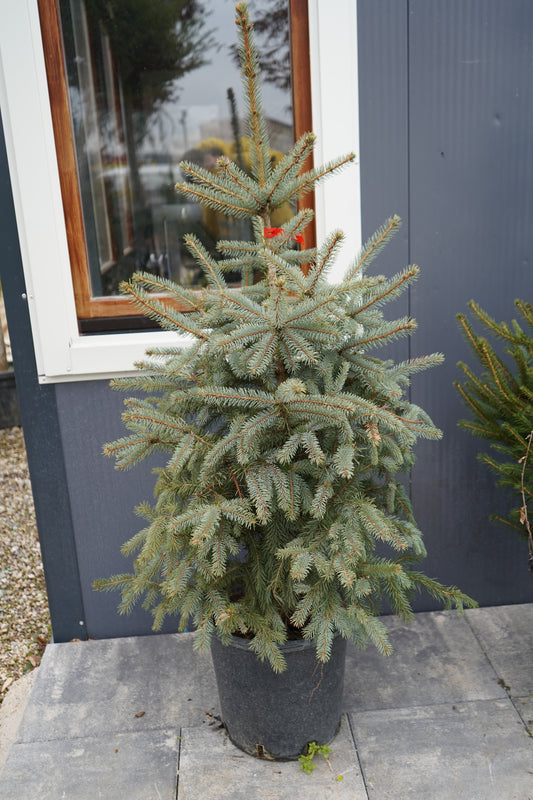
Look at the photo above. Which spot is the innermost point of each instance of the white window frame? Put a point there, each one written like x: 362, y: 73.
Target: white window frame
x: 62, y: 353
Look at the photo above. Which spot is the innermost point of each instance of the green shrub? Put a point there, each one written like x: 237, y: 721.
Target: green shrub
x: 500, y: 400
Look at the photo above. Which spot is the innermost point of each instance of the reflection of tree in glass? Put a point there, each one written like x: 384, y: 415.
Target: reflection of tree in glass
x: 153, y: 44
x: 271, y: 25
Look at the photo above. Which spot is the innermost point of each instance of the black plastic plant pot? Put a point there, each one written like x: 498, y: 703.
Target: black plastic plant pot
x: 275, y: 716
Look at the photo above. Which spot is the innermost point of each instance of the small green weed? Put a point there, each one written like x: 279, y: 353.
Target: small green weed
x: 313, y: 749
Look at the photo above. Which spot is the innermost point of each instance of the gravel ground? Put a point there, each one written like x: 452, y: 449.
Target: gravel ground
x: 24, y: 618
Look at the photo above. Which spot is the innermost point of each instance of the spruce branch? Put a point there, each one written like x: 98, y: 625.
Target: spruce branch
x: 524, y: 519
x: 208, y: 264
x: 244, y: 183
x: 483, y: 390
x: 214, y: 198
x: 324, y: 260
x: 526, y: 310
x: 450, y: 596
x: 374, y: 245
x: 275, y: 265
x: 289, y: 166
x: 152, y: 283
x: 391, y: 331
x: 304, y: 183
x: 500, y: 330
x: 259, y: 144
x: 209, y: 180
x: 391, y: 289
x: 156, y: 309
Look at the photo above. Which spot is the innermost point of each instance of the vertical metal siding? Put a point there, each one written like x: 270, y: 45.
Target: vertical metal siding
x: 103, y: 501
x: 469, y: 102
x: 471, y: 189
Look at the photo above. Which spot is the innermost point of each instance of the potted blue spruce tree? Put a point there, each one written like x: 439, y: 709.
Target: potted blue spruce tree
x: 286, y: 440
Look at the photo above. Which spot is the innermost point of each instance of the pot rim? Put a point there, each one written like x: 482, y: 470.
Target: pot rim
x: 240, y: 643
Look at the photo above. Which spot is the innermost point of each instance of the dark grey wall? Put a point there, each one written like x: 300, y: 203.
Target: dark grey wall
x: 446, y: 115
x: 102, y: 500
x: 38, y: 410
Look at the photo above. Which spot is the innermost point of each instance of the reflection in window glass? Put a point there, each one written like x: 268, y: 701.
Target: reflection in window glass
x: 153, y: 82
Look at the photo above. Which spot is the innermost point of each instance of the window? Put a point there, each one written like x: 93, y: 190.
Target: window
x: 141, y: 85
x: 45, y: 188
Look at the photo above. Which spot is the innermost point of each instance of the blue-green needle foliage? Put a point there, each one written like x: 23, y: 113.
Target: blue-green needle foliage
x: 286, y: 434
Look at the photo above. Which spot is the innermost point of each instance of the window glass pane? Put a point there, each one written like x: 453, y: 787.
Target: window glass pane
x: 153, y: 82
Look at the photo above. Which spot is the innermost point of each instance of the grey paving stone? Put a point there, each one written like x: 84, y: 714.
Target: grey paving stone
x: 212, y: 767
x: 524, y: 707
x: 464, y: 751
x: 431, y: 722
x: 93, y: 688
x: 506, y: 633
x: 132, y: 766
x: 436, y: 659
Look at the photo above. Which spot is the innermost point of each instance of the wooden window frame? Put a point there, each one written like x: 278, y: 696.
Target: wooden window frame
x: 108, y: 308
